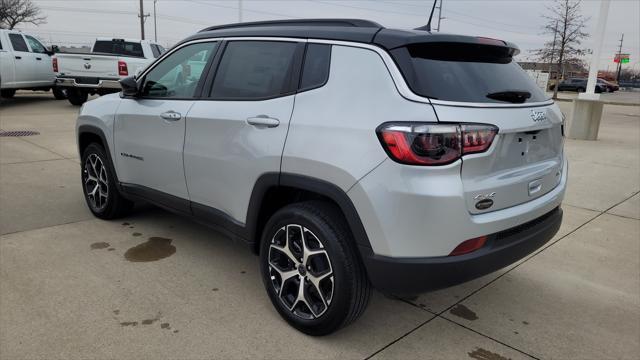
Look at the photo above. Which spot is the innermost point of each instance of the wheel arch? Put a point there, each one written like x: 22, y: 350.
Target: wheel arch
x: 88, y: 134
x: 273, y: 191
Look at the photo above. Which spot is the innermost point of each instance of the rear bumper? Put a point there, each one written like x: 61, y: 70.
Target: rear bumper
x: 410, y: 276
x: 112, y: 84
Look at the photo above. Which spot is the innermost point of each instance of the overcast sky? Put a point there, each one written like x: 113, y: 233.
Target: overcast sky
x: 78, y: 22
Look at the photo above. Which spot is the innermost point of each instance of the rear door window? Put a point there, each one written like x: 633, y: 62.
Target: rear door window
x: 466, y: 73
x: 253, y: 70
x: 18, y: 43
x: 315, y: 71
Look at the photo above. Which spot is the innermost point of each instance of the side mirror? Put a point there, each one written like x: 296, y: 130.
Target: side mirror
x: 129, y: 86
x: 54, y: 49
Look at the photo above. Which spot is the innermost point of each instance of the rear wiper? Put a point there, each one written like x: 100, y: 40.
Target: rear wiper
x: 514, y: 96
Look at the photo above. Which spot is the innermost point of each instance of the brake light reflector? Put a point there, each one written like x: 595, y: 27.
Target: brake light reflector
x: 122, y: 68
x: 54, y: 62
x: 434, y: 144
x: 469, y: 246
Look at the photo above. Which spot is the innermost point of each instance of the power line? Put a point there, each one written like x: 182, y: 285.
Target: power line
x: 245, y: 9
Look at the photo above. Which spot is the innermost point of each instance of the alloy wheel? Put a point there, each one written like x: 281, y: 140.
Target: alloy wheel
x: 96, y: 184
x: 300, y: 271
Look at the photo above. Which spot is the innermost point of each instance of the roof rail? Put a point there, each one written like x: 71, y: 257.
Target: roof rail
x: 300, y: 22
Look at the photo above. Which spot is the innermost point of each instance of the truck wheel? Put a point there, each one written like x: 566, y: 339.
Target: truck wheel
x: 99, y: 185
x: 311, y: 270
x: 77, y: 97
x: 59, y: 93
x: 7, y: 93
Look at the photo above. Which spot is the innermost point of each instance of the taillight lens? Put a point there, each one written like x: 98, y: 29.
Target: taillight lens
x: 434, y: 144
x: 122, y: 68
x: 469, y: 246
x: 54, y: 62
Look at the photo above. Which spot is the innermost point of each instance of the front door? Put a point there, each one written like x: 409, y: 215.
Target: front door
x: 149, y: 129
x: 41, y: 63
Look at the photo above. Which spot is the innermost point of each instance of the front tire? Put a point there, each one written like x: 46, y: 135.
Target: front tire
x: 311, y: 270
x: 77, y: 97
x: 99, y: 185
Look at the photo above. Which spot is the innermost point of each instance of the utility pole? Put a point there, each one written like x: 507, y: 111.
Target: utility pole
x: 619, y: 59
x: 155, y: 22
x: 239, y: 11
x: 142, y: 17
x: 439, y: 15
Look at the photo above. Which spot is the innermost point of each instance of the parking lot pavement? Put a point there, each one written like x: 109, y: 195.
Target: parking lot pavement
x: 67, y: 290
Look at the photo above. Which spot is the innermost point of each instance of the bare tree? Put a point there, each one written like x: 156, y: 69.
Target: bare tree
x: 566, y: 24
x: 14, y: 12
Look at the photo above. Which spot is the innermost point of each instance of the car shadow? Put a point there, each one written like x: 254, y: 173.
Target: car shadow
x: 21, y: 99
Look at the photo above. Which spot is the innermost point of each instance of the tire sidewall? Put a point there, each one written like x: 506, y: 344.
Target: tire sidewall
x: 343, y: 291
x: 99, y: 151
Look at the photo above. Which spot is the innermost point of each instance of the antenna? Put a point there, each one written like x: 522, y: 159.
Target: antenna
x: 428, y: 26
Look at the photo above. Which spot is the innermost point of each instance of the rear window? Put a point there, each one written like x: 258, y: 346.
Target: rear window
x: 466, y: 73
x: 118, y: 47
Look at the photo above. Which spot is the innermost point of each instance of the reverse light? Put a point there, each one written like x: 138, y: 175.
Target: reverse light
x: 434, y: 144
x: 54, y: 62
x: 469, y: 246
x: 122, y: 68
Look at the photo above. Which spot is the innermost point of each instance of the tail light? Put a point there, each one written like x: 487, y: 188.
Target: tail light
x: 54, y: 62
x: 434, y: 144
x: 122, y: 68
x: 469, y: 246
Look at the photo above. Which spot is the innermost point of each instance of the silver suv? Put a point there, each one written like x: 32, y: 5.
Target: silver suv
x: 346, y: 155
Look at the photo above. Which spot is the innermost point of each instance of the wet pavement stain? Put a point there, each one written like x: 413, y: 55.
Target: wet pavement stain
x: 151, y: 321
x: 165, y: 326
x: 464, y: 312
x: 99, y: 245
x: 136, y: 234
x: 215, y: 289
x: 243, y: 272
x: 525, y: 322
x: 175, y: 331
x: 483, y: 354
x: 111, y: 249
x: 116, y: 311
x: 125, y: 224
x: 155, y: 248
x: 129, y: 323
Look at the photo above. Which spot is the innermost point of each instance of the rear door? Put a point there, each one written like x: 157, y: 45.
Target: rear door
x: 238, y: 133
x: 150, y: 129
x: 483, y: 84
x: 7, y: 74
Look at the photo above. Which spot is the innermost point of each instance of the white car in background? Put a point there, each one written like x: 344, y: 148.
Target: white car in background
x: 98, y: 72
x: 25, y: 64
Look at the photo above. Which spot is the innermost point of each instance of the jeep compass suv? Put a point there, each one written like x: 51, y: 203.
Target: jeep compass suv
x: 346, y: 155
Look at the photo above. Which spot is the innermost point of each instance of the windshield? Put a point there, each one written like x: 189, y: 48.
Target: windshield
x: 466, y: 73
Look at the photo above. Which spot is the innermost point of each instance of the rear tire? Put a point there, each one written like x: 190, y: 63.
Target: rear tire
x: 311, y: 244
x: 59, y: 93
x: 99, y: 185
x: 7, y: 93
x: 77, y: 97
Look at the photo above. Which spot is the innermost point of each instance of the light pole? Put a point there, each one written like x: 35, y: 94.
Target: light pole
x: 595, y: 57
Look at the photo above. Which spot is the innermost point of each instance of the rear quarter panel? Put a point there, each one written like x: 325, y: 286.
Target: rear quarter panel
x: 332, y: 132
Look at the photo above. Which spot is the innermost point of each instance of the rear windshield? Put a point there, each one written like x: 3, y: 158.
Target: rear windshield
x: 466, y: 73
x: 118, y: 47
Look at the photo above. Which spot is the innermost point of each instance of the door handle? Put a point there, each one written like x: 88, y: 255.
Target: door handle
x: 38, y: 58
x: 18, y: 57
x: 171, y: 115
x: 263, y: 121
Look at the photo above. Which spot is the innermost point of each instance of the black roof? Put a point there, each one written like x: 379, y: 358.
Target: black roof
x: 356, y: 30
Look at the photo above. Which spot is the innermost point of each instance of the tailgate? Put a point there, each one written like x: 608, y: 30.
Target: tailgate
x: 524, y: 161
x: 88, y: 65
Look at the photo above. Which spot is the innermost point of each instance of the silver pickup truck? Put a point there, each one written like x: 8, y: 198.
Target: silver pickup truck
x: 98, y: 72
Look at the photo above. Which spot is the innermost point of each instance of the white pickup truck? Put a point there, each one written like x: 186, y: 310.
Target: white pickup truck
x: 98, y: 72
x: 25, y: 64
